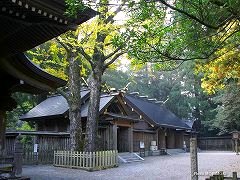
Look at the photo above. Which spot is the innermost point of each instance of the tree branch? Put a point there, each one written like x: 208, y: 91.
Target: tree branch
x: 194, y: 17
x: 112, y: 53
x: 119, y: 8
x: 113, y: 59
x: 63, y: 45
x: 85, y: 55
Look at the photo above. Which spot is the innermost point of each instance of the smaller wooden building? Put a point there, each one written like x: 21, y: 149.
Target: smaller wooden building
x: 126, y: 121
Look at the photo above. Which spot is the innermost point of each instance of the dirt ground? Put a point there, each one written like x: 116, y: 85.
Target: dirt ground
x: 175, y: 167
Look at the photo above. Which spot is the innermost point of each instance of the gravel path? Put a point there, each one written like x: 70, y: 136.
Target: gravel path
x: 175, y: 167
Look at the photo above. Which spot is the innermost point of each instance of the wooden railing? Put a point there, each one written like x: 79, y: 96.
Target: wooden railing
x: 86, y: 160
x: 221, y: 176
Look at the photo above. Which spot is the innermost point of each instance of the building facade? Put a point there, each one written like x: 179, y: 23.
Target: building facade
x: 127, y: 123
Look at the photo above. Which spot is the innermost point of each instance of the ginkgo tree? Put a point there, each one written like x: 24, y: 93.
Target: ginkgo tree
x: 92, y: 45
x: 99, y: 50
x: 225, y: 66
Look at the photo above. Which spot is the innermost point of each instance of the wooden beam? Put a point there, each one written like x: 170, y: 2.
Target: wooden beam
x: 2, y: 131
x: 115, y: 137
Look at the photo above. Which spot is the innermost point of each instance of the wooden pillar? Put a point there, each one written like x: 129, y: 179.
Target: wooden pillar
x: 114, y: 137
x: 161, y: 139
x: 18, y: 157
x: 111, y: 137
x: 179, y: 138
x: 107, y: 138
x: 194, y: 160
x: 236, y: 146
x: 171, y: 139
x: 2, y: 131
x: 130, y: 138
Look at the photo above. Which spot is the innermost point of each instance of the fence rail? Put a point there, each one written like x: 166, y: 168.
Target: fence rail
x: 86, y: 160
x: 221, y: 176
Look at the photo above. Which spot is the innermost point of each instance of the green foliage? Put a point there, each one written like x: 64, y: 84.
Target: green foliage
x: 228, y: 117
x: 115, y: 79
x: 73, y: 7
x: 221, y: 71
x: 179, y: 89
x: 25, y: 103
x: 51, y: 57
x: 193, y: 30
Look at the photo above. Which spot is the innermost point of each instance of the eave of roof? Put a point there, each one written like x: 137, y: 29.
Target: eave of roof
x: 121, y: 117
x: 26, y: 24
x: 34, y: 79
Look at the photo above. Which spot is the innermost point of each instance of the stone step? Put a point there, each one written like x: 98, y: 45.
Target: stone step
x: 129, y: 157
x: 175, y: 151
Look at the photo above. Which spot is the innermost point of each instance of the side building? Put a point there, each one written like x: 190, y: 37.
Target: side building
x: 127, y: 122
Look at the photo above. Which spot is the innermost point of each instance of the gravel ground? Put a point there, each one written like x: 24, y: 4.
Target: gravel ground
x: 175, y: 167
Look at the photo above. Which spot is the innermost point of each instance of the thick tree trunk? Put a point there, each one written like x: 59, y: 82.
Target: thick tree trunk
x: 2, y: 131
x: 74, y: 101
x: 93, y: 110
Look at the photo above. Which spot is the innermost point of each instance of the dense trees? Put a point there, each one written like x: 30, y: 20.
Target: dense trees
x: 179, y: 90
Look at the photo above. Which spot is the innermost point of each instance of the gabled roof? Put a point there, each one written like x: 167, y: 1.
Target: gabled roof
x: 154, y: 113
x: 189, y: 122
x: 105, y: 100
x: 58, y: 106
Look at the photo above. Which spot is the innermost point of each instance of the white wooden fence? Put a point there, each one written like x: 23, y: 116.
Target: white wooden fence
x: 86, y: 160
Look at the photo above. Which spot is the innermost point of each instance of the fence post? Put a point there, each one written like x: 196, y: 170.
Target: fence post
x: 234, y: 176
x: 221, y: 175
x: 97, y: 158
x: 236, y: 146
x: 193, y: 157
x: 18, y: 157
x: 54, y: 160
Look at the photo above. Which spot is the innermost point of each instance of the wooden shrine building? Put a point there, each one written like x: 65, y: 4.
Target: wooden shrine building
x: 126, y: 121
x: 24, y: 25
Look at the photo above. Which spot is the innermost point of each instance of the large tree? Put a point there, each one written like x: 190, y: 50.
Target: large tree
x: 96, y: 43
x: 60, y: 58
x: 100, y: 52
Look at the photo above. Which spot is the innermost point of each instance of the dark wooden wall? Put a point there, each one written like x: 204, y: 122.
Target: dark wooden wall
x: 216, y: 143
x: 56, y: 124
x: 145, y: 137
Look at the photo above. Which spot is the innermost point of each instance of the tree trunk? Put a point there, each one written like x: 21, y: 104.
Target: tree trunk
x: 74, y: 101
x: 2, y: 131
x: 93, y: 109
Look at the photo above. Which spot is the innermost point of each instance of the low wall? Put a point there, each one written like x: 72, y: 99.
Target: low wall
x: 224, y: 143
